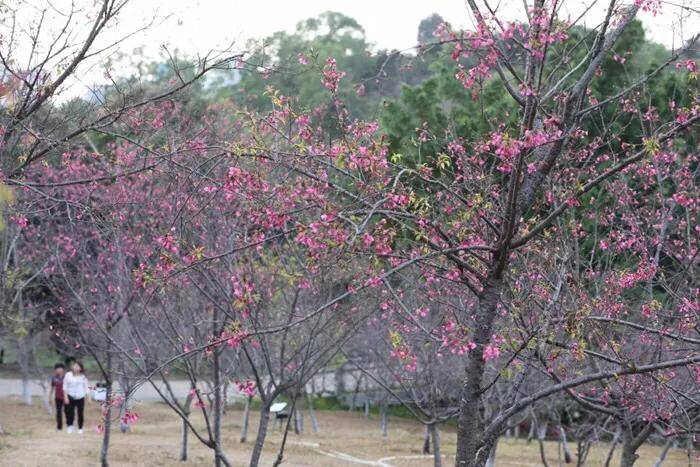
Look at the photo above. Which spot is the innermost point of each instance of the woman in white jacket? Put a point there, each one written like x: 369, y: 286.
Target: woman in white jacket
x: 75, y: 389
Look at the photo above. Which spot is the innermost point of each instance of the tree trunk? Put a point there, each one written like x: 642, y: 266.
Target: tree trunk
x: 631, y: 441
x: 564, y: 445
x: 426, y: 439
x: 45, y: 399
x: 262, y: 433
x: 613, y: 445
x: 469, y: 427
x: 384, y: 420
x: 435, y: 434
x: 541, y: 434
x: 582, y: 449
x: 298, y: 421
x: 662, y: 457
x: 312, y: 415
x: 246, y: 419
x: 125, y: 387
x: 218, y: 402
x: 629, y: 455
x: 491, y: 461
x: 107, y: 412
x: 26, y: 391
x: 531, y: 432
x: 183, y: 440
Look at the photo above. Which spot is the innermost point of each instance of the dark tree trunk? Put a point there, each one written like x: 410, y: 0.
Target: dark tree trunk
x: 435, y: 435
x: 541, y: 435
x: 262, y: 433
x: 564, y: 443
x: 629, y: 456
x: 298, y: 421
x: 312, y: 414
x: 613, y: 445
x: 107, y: 410
x: 631, y: 441
x: 183, y: 440
x: 219, y: 459
x: 23, y: 362
x: 531, y: 432
x: 491, y: 461
x: 664, y: 452
x: 469, y: 425
x: 426, y: 440
x: 246, y: 419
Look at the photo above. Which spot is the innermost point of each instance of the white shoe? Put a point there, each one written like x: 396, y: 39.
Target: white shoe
x: 69, y: 430
x: 80, y: 431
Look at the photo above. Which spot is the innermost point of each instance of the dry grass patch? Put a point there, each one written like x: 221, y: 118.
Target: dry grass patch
x: 31, y: 440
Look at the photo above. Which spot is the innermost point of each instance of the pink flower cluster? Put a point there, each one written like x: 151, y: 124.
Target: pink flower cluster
x: 331, y: 76
x: 246, y: 387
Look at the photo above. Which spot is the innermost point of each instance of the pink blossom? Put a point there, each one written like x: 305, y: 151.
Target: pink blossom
x: 331, y: 76
x: 491, y: 352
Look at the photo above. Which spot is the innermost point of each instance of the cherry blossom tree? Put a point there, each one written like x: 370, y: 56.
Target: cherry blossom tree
x: 488, y: 217
x: 548, y: 254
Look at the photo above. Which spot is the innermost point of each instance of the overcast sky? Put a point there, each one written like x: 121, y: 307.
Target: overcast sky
x: 198, y: 25
x: 195, y: 27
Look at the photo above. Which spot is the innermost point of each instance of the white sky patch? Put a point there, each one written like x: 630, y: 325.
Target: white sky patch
x: 196, y: 27
x: 199, y: 25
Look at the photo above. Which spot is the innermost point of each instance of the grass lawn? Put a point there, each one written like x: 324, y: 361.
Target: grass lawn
x: 344, y: 439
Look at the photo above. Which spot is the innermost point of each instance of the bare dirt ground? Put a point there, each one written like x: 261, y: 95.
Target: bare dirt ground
x: 344, y: 439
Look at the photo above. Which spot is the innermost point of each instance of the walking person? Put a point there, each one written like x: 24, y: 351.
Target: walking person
x: 75, y: 389
x: 57, y: 392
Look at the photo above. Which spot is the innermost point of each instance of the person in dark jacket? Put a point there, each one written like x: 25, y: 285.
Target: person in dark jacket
x: 57, y: 392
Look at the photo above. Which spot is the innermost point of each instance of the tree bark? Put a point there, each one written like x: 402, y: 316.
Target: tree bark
x: 107, y: 411
x: 631, y: 442
x: 183, y: 440
x: 662, y: 457
x: 262, y: 433
x: 26, y: 392
x: 219, y: 459
x: 565, y: 445
x: 629, y: 456
x: 531, y: 432
x: 246, y: 419
x: 435, y: 435
x: 426, y: 439
x: 491, y: 462
x: 298, y: 421
x: 541, y: 434
x: 613, y: 445
x: 469, y: 449
x: 312, y: 415
x: 45, y: 399
x: 384, y: 420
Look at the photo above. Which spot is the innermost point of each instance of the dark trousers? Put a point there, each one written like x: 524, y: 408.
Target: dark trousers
x: 60, y: 407
x: 74, y: 404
